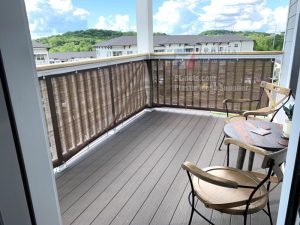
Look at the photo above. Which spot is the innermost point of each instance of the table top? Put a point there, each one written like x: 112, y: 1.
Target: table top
x: 241, y: 130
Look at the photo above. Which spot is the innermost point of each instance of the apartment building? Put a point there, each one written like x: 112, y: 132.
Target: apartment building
x: 126, y: 45
x: 59, y: 57
x: 41, y: 53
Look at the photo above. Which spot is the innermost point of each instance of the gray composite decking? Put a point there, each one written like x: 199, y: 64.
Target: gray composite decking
x: 135, y: 177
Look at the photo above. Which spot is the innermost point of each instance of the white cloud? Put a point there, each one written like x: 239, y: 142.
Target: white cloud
x: 167, y: 17
x: 33, y: 5
x: 101, y: 24
x: 194, y: 16
x: 61, y: 6
x: 118, y: 22
x: 170, y: 14
x: 251, y: 15
x: 49, y: 17
x: 81, y: 12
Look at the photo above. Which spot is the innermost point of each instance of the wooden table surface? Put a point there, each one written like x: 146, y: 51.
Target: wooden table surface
x: 241, y: 130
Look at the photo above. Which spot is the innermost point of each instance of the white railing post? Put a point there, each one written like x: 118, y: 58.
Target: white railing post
x: 144, y: 22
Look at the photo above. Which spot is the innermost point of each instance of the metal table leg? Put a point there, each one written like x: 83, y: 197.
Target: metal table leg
x: 251, y: 159
x: 241, y: 158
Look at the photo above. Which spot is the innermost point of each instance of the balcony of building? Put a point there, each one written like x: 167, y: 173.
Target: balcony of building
x: 175, y: 107
x: 117, y: 130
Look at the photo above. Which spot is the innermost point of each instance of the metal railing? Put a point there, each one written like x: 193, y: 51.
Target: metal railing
x: 83, y: 100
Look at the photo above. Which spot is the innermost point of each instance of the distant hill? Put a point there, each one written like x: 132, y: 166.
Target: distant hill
x: 262, y: 41
x: 84, y: 40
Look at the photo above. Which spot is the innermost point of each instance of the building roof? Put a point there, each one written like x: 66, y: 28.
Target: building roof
x: 36, y: 44
x: 173, y: 39
x: 72, y: 55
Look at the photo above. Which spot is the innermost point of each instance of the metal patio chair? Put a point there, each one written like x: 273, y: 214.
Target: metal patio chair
x: 272, y: 91
x: 233, y: 191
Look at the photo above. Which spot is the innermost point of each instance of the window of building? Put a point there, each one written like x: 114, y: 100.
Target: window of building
x: 197, y: 49
x: 236, y: 45
x: 213, y: 49
x: 205, y: 49
x: 221, y: 49
x: 129, y: 52
x: 159, y: 50
x: 40, y: 57
x: 117, y: 53
x: 178, y: 50
x: 189, y: 50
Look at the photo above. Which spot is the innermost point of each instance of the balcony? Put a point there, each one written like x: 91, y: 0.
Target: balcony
x: 134, y: 176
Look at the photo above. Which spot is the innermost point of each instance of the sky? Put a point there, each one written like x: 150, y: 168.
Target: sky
x: 49, y: 17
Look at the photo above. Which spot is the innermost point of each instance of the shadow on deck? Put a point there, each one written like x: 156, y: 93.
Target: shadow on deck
x: 135, y: 176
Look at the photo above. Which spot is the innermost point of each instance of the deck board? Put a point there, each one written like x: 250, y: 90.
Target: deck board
x: 122, y: 145
x: 135, y: 177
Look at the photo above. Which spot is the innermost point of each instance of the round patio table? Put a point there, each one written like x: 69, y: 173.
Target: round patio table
x: 241, y: 130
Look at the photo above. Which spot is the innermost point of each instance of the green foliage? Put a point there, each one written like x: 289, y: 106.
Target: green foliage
x: 262, y: 41
x: 82, y: 40
x: 289, y: 111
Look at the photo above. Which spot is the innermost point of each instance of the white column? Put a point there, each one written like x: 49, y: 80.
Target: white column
x: 144, y: 21
x: 17, y: 52
x: 291, y: 160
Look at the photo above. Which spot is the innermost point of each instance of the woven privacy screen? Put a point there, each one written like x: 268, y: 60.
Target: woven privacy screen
x: 204, y: 84
x: 79, y: 107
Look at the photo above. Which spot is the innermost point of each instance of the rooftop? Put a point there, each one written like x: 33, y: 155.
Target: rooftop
x: 72, y: 55
x: 173, y: 39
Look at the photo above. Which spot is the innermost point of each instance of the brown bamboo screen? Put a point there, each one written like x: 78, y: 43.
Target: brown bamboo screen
x: 204, y: 84
x: 81, y: 106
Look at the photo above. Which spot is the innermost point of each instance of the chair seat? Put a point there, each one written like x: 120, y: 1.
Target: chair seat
x: 222, y: 198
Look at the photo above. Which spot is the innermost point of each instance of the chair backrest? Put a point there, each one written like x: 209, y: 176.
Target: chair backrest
x: 275, y: 159
x: 270, y: 88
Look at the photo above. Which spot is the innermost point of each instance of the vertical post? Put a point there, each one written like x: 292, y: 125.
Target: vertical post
x: 150, y: 77
x: 157, y: 83
x: 171, y: 82
x: 144, y: 26
x: 226, y: 77
x: 112, y: 96
x: 164, y: 74
x: 217, y: 83
x: 243, y: 83
x: 252, y: 81
x: 54, y: 120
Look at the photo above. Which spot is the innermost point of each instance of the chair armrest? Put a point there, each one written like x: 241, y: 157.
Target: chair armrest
x: 261, y: 176
x: 246, y: 146
x: 239, y: 100
x: 258, y: 113
x: 193, y: 169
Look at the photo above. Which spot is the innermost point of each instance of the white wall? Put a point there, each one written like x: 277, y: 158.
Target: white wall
x: 245, y: 46
x: 41, y: 51
x: 289, y: 43
x: 289, y: 66
x: 291, y: 48
x: 16, y: 47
